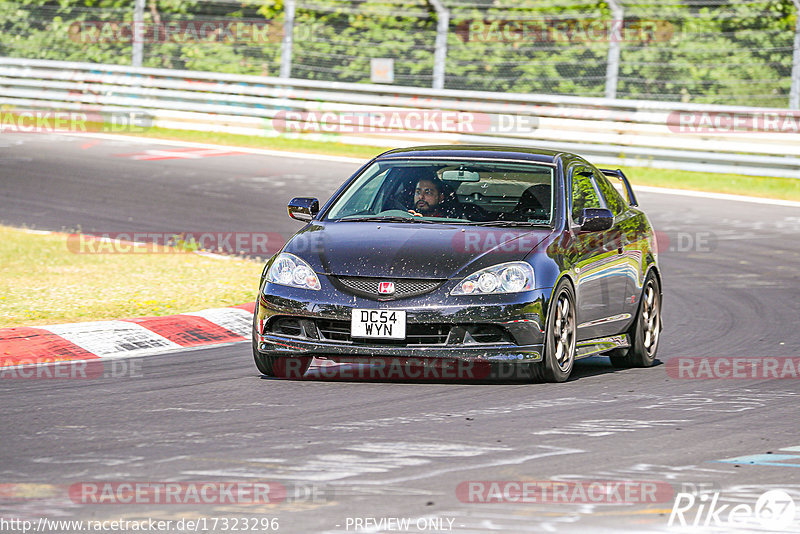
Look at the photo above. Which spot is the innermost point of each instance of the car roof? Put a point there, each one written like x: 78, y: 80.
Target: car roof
x: 475, y: 151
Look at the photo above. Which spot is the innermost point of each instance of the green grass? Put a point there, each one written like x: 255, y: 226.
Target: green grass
x: 757, y: 186
x: 734, y: 184
x: 44, y: 283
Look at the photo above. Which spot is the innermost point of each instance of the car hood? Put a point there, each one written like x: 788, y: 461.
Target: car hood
x: 409, y: 250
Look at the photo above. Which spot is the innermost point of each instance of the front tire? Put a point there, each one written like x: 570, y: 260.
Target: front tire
x: 278, y: 366
x: 282, y: 366
x: 263, y: 362
x: 645, y: 331
x: 560, y: 336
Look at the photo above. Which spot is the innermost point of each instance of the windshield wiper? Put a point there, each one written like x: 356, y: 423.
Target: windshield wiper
x: 387, y: 218
x: 506, y: 223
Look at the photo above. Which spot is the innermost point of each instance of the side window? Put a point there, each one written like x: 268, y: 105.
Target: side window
x: 583, y: 192
x: 363, y: 196
x: 614, y: 200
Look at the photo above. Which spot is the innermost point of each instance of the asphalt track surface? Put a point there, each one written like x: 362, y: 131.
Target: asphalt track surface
x: 380, y: 449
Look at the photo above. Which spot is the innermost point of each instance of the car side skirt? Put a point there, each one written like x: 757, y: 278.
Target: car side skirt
x: 590, y: 347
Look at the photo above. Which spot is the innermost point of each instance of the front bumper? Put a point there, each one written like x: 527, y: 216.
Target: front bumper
x: 350, y: 352
x: 520, y: 317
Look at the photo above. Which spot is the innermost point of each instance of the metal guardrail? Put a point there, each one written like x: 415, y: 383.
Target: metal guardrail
x: 609, y: 131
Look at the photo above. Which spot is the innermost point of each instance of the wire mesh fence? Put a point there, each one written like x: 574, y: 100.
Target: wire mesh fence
x: 235, y: 37
x: 705, y: 51
x: 712, y: 52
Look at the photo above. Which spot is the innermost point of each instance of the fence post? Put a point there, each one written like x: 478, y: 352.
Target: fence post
x: 138, y: 33
x: 440, y: 47
x: 288, y: 36
x: 794, y: 91
x: 614, y: 37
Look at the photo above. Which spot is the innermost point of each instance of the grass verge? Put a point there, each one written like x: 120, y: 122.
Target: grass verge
x: 735, y: 184
x: 44, y: 283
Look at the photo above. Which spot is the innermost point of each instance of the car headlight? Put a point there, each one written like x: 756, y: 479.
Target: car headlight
x: 289, y: 270
x: 511, y: 277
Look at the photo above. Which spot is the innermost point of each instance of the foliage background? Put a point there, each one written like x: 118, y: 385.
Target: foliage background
x: 711, y: 51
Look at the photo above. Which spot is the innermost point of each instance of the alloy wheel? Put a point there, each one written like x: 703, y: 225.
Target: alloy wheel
x: 651, y: 321
x: 564, y: 332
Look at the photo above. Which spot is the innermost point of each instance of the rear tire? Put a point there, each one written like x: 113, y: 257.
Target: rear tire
x: 645, y: 332
x: 560, y: 337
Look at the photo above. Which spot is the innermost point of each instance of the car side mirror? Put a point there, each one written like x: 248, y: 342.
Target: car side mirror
x: 303, y: 208
x: 596, y: 219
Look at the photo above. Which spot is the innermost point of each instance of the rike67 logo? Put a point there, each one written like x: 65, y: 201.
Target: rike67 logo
x: 774, y: 511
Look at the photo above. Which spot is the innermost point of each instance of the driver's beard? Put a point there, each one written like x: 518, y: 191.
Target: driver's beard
x: 423, y: 207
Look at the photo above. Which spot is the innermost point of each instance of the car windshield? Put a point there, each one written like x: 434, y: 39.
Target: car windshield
x: 449, y: 191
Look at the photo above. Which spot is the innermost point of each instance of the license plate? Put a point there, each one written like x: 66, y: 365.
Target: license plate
x: 378, y: 324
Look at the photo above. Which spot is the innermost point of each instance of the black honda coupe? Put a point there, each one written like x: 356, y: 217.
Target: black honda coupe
x: 477, y: 254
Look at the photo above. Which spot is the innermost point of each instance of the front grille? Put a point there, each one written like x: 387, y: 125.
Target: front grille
x: 426, y: 334
x: 287, y: 326
x: 487, y: 334
x: 293, y: 326
x: 334, y: 330
x: 416, y: 333
x: 419, y: 334
x: 368, y: 287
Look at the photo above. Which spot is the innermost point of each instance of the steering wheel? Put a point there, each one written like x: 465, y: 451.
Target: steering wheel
x: 395, y: 204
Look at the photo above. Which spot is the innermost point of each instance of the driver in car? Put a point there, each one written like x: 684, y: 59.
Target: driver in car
x: 428, y: 197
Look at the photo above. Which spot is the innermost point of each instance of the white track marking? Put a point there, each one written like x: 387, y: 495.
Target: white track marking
x: 36, y: 232
x: 261, y: 151
x: 720, y: 401
x: 715, y: 196
x: 607, y: 427
x: 89, y: 458
x: 442, y: 417
x: 236, y: 320
x: 112, y: 338
x: 380, y: 460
